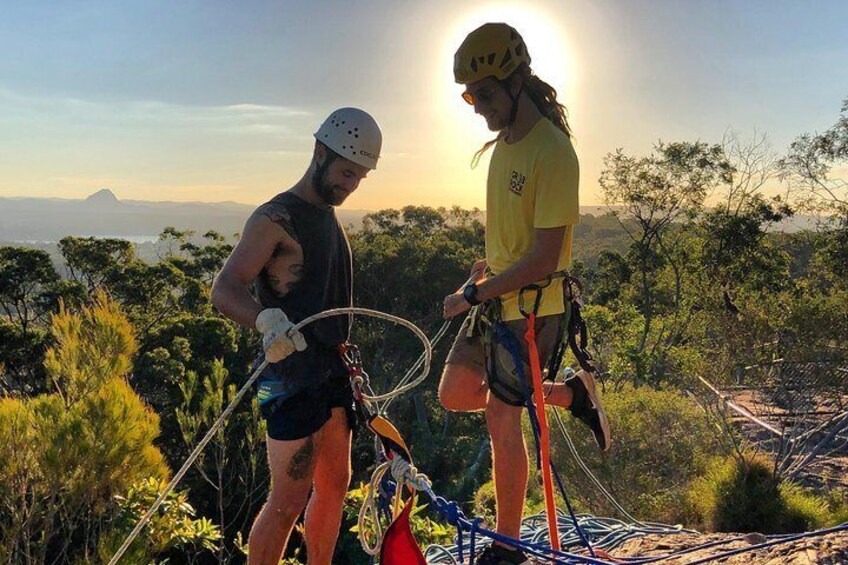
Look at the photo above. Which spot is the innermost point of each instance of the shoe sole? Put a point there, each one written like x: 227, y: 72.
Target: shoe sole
x: 589, y: 382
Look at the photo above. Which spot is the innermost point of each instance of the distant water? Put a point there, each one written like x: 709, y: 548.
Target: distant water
x: 130, y: 238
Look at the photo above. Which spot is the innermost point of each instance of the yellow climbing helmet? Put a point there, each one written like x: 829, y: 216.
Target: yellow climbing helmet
x: 491, y: 50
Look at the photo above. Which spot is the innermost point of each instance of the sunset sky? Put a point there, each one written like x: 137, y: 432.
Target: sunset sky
x: 212, y: 100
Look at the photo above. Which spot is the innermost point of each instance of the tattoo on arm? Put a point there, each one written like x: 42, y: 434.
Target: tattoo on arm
x: 280, y: 215
x: 277, y: 285
x: 272, y: 281
x: 301, y: 462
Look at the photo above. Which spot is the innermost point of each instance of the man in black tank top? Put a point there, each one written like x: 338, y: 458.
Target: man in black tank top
x: 293, y: 261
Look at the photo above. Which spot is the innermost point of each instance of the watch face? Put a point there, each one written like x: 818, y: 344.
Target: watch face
x: 470, y: 294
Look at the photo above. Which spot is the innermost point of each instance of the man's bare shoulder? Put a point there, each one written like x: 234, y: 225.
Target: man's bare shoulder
x: 278, y: 213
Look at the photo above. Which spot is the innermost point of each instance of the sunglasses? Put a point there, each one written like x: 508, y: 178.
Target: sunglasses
x: 483, y: 95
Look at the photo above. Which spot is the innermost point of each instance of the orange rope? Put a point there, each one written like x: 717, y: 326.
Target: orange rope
x: 544, y: 437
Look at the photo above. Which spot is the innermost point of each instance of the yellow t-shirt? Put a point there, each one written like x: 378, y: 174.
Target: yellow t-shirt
x: 532, y: 184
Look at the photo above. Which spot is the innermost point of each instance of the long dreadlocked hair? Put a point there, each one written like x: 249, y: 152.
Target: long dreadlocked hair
x: 544, y: 96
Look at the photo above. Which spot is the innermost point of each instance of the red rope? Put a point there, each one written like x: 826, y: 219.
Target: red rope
x: 544, y: 436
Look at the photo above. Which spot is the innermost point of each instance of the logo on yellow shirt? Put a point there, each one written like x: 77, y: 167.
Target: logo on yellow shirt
x: 516, y: 182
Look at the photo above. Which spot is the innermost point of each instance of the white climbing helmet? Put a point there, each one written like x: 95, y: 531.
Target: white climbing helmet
x: 353, y: 134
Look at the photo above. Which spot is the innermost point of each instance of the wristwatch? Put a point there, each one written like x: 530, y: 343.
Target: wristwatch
x: 469, y: 293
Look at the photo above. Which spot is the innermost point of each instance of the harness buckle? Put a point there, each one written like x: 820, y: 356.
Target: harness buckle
x: 536, y: 302
x: 352, y: 360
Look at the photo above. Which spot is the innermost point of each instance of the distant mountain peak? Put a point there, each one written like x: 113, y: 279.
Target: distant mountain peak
x: 103, y: 196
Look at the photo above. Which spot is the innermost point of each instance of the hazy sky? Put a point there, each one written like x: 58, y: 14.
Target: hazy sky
x: 213, y: 100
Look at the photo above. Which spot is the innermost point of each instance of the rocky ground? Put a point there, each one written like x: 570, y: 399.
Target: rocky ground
x: 830, y: 549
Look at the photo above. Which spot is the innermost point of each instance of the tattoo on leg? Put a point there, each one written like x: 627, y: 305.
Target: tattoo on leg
x: 302, y: 461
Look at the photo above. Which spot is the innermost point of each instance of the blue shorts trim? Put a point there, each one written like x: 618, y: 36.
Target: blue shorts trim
x: 305, y: 413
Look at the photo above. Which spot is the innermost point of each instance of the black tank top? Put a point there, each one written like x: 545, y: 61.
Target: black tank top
x: 326, y: 281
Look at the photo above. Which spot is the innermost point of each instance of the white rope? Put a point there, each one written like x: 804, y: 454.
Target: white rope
x: 369, y: 512
x: 405, y: 474
x: 428, y: 348
x: 433, y: 342
x: 428, y: 353
x: 585, y: 468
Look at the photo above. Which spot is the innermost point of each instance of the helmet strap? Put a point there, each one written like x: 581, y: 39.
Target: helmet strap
x: 514, y: 109
x: 321, y: 168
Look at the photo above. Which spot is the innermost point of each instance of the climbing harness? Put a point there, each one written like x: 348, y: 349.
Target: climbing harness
x: 573, y: 332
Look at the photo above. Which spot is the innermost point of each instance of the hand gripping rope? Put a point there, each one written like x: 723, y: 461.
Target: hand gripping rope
x: 427, y: 355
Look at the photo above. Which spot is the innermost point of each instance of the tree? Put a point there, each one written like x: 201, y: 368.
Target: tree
x: 200, y: 262
x: 29, y: 290
x: 91, y: 260
x: 811, y: 161
x: 54, y: 448
x: 21, y: 370
x: 659, y: 192
x: 25, y: 278
x: 612, y: 273
x: 231, y: 478
x: 734, y: 230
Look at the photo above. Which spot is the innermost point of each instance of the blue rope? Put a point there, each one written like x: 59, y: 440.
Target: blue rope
x: 387, y: 491
x: 617, y: 533
x: 475, y: 526
x: 565, y: 497
x: 454, y: 516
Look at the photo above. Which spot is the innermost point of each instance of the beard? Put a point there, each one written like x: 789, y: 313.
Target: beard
x: 331, y: 194
x: 496, y: 124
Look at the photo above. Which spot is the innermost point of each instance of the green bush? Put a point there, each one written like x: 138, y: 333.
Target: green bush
x: 65, y: 456
x: 838, y: 505
x: 484, y: 503
x: 661, y: 441
x: 745, y: 496
x: 172, y: 525
x: 805, y: 510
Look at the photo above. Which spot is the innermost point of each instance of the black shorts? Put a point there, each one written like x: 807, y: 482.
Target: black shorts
x: 303, y: 414
x: 296, y: 395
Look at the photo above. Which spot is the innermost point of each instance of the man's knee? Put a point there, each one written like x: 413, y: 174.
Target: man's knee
x: 287, y: 504
x: 460, y: 387
x: 446, y: 393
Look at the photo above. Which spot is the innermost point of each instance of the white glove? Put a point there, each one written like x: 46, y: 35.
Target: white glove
x: 278, y: 339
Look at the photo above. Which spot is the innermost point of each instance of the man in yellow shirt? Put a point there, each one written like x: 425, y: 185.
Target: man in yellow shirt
x: 531, y: 208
